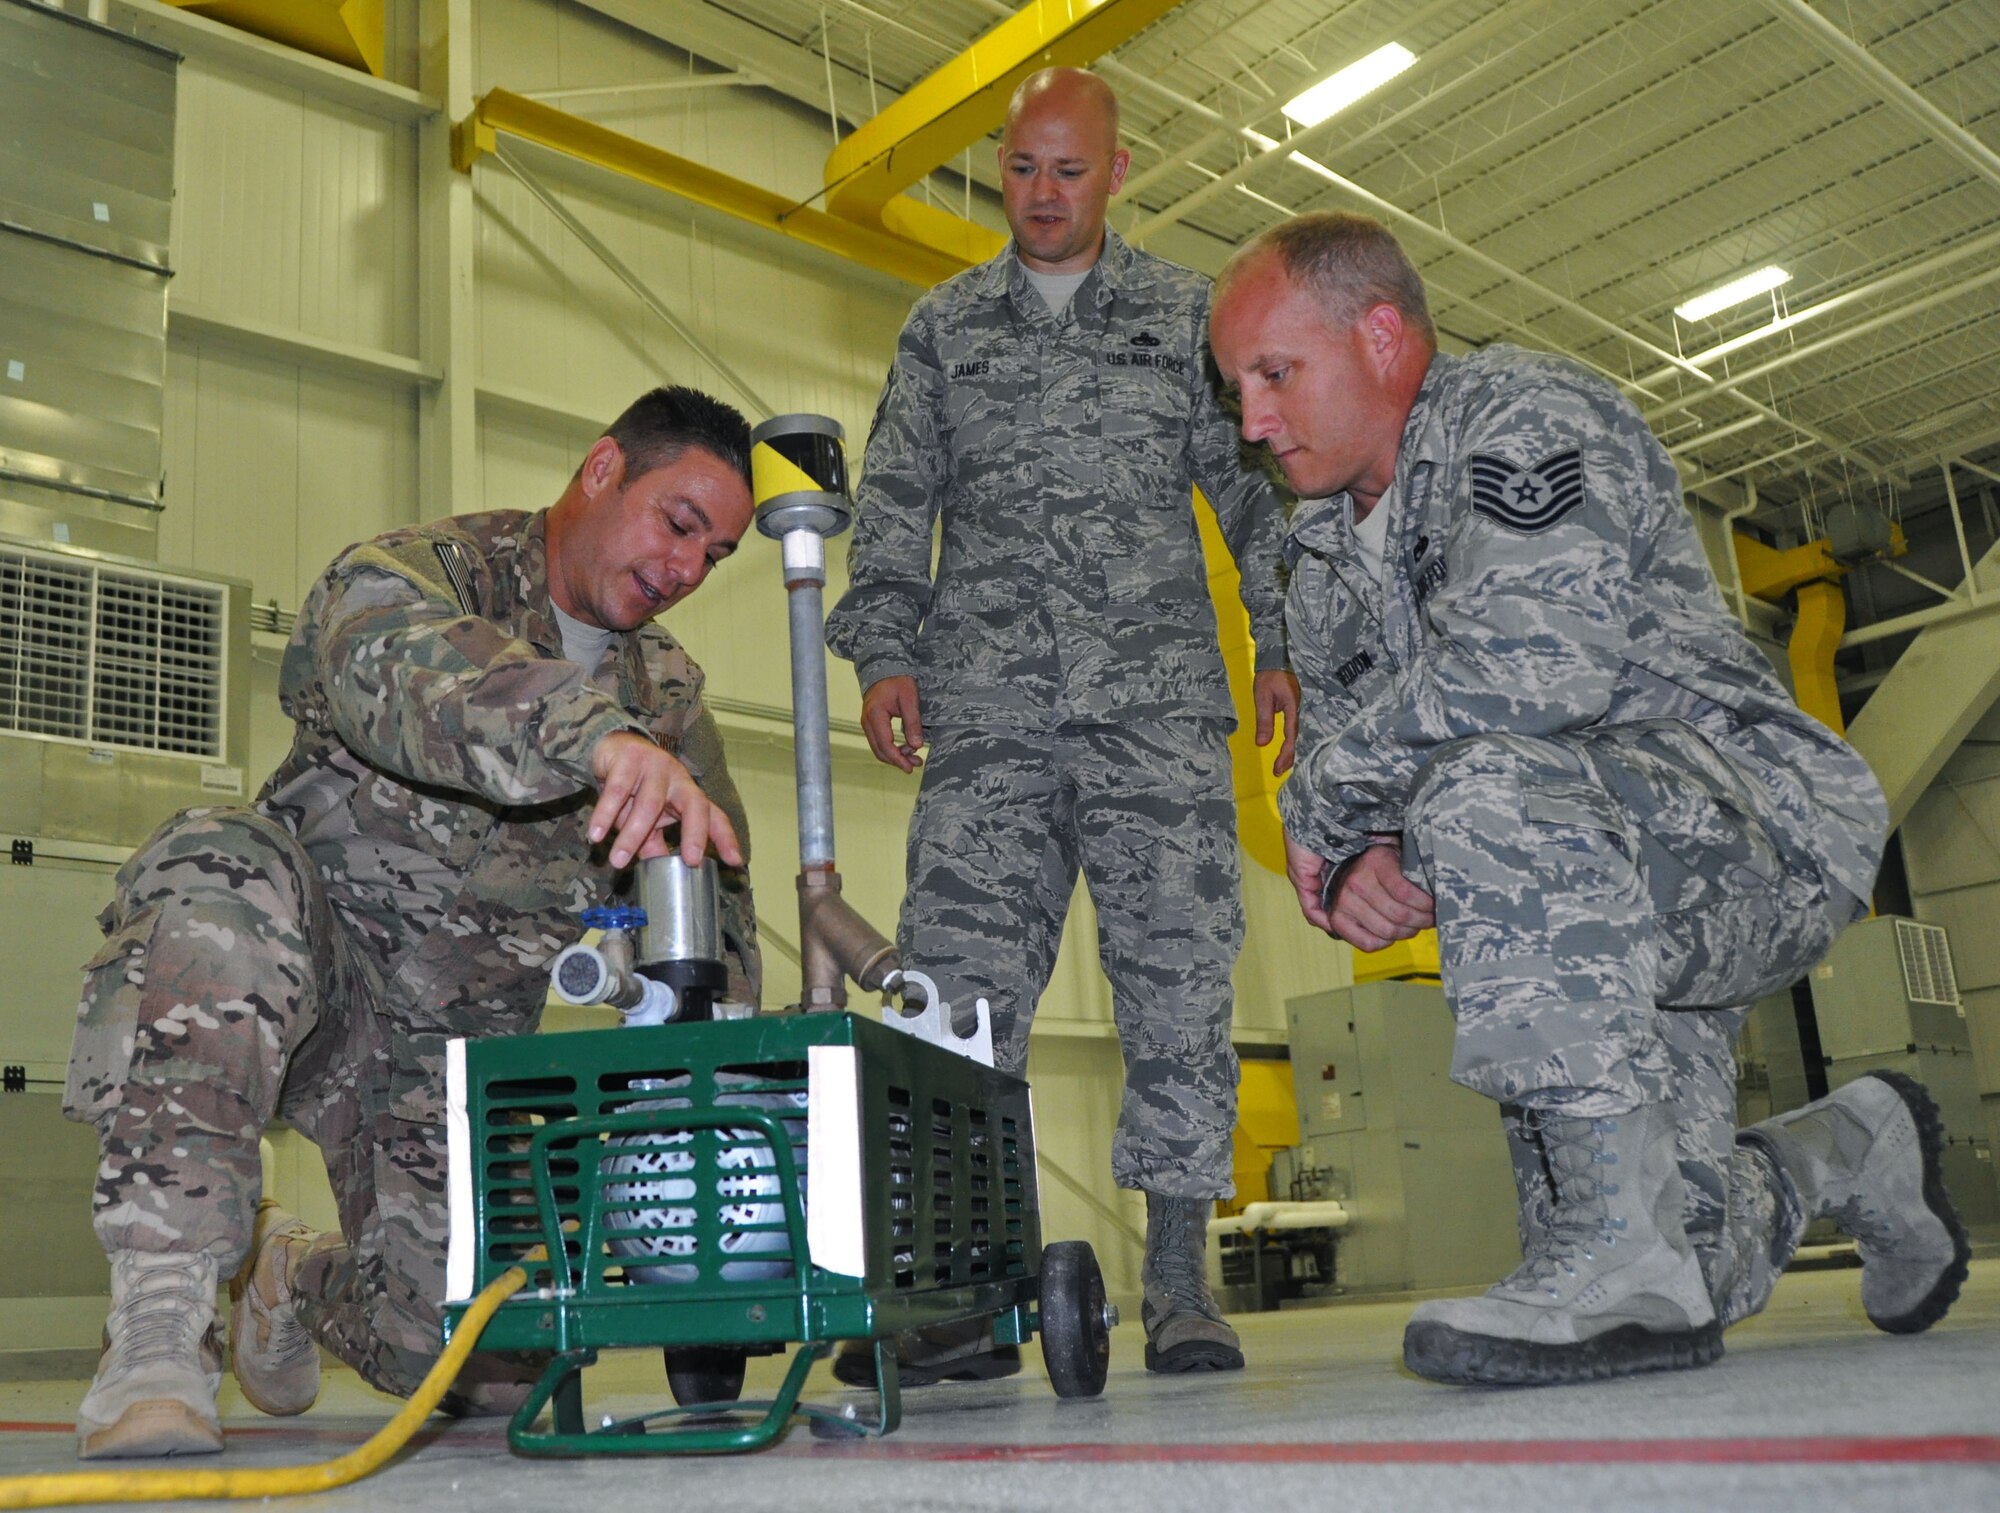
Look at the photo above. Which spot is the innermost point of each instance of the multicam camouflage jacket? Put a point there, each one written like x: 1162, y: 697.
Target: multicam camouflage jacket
x: 1061, y: 455
x: 439, y: 776
x: 1540, y: 576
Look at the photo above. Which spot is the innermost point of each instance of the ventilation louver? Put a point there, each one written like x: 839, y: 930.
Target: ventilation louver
x: 1926, y: 956
x: 111, y: 655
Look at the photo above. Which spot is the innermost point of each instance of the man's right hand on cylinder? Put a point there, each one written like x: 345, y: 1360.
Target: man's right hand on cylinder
x: 887, y: 704
x: 641, y: 789
x: 1372, y: 905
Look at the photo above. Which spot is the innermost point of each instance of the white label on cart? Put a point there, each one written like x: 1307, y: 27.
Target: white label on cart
x: 835, y: 1235
x: 461, y: 1246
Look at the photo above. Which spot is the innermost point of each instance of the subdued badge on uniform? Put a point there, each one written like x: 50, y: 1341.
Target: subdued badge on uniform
x: 1530, y: 499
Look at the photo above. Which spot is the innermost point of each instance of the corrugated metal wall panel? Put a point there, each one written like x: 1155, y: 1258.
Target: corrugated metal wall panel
x: 105, y: 104
x: 296, y: 213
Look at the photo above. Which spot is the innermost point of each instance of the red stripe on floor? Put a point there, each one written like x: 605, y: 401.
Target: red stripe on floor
x: 1964, y: 1449
x: 1961, y: 1449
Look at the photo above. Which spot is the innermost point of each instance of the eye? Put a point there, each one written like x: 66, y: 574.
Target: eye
x: 1276, y: 376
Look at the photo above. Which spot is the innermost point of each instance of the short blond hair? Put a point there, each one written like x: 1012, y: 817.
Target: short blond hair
x: 1352, y: 263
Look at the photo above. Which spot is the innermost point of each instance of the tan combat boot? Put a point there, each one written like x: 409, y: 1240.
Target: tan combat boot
x: 275, y: 1360
x: 154, y: 1393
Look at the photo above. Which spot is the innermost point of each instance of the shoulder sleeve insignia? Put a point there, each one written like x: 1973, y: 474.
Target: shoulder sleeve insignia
x: 1527, y: 499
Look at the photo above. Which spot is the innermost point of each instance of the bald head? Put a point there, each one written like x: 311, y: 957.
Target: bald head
x: 1059, y: 166
x: 1074, y: 93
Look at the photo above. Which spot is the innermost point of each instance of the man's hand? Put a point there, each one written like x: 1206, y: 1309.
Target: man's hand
x: 887, y: 703
x: 1374, y: 905
x: 1276, y: 692
x: 641, y: 789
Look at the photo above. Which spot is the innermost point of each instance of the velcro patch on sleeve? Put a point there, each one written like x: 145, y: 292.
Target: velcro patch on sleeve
x: 1527, y: 499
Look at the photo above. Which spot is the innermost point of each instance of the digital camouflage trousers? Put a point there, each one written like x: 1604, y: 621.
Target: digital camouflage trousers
x: 1004, y: 822
x: 1608, y: 906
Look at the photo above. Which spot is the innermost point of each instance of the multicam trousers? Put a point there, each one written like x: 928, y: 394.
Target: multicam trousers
x: 1608, y: 904
x: 1003, y: 823
x: 228, y: 993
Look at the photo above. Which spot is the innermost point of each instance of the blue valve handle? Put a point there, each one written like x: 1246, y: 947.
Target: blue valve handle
x: 605, y: 917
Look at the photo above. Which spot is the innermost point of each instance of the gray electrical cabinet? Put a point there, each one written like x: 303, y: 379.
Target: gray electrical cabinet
x: 1886, y: 999
x: 1420, y: 1162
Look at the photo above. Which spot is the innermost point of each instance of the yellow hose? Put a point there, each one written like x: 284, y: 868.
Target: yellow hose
x: 67, y: 1488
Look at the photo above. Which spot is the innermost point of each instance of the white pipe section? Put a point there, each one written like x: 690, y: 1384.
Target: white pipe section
x: 1320, y: 1214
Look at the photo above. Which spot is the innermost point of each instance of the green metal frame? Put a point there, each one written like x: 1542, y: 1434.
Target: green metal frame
x: 950, y: 1212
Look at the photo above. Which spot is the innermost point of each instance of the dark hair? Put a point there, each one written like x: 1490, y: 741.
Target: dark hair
x: 657, y: 427
x: 1351, y: 262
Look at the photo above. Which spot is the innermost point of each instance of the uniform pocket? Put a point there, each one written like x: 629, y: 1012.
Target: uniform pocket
x: 107, y: 1017
x: 416, y: 1077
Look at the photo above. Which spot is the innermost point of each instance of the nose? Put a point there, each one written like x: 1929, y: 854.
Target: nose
x: 1260, y: 420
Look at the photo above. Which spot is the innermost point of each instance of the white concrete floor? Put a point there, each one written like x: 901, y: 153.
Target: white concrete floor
x: 1812, y: 1408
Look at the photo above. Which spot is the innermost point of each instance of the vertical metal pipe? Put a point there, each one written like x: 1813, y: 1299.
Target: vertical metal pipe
x: 805, y: 573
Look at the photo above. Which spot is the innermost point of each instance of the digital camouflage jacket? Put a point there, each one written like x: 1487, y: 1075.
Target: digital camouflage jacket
x: 1540, y: 576
x: 1060, y: 456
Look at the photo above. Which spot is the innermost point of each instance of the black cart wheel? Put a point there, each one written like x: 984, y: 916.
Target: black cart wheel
x: 704, y: 1374
x: 1076, y: 1330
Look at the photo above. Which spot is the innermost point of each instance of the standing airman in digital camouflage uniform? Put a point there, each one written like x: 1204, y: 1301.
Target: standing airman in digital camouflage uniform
x: 1529, y: 719
x: 490, y: 730
x: 1052, y: 409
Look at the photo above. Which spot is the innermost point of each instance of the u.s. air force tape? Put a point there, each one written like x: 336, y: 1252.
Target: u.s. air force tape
x: 1527, y: 499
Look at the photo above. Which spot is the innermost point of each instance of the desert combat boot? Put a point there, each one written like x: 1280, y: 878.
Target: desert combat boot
x: 1184, y: 1329
x: 1613, y: 1288
x: 1867, y: 1158
x: 154, y: 1393
x: 275, y: 1360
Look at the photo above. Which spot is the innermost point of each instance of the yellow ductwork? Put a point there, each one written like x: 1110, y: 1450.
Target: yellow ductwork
x: 1822, y: 617
x: 342, y: 31
x: 966, y: 98
x: 1812, y: 573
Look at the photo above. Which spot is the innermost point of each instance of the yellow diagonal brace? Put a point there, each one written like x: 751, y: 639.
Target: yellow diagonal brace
x: 501, y: 110
x: 952, y: 108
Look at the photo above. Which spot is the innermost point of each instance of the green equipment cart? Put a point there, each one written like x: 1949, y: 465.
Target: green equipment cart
x: 653, y: 1182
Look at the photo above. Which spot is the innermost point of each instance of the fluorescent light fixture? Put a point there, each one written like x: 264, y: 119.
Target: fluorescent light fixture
x: 1737, y: 290
x: 1334, y: 94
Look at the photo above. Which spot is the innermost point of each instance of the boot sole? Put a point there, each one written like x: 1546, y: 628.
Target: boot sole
x: 1441, y: 1353
x: 1193, y: 1355
x: 158, y: 1427
x: 1930, y: 1134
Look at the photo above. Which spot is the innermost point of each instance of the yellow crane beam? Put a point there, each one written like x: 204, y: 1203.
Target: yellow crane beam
x: 964, y: 99
x: 501, y: 110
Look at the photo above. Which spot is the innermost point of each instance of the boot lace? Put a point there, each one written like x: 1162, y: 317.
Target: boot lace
x: 290, y: 1340
x: 1176, y: 1252
x: 162, y: 1319
x: 1580, y: 1221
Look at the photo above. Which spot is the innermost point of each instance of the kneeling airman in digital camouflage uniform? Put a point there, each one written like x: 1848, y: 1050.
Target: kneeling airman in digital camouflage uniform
x: 489, y: 731
x: 1529, y: 719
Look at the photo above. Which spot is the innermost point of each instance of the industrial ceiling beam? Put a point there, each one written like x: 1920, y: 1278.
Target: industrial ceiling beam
x: 500, y: 111
x: 966, y: 97
x: 1890, y: 87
